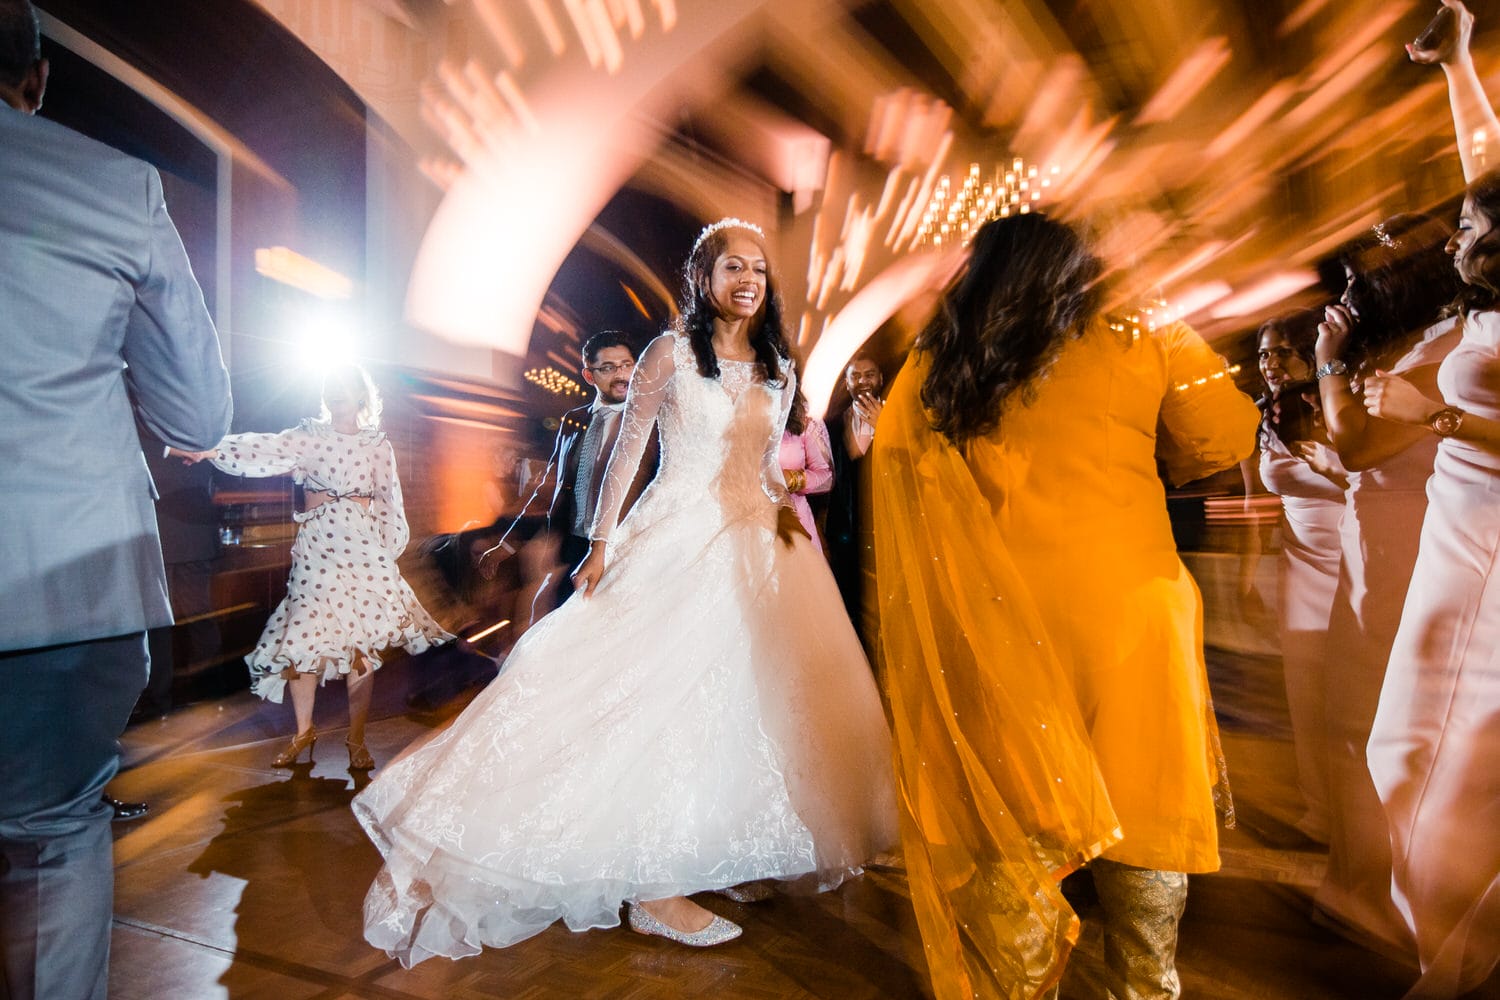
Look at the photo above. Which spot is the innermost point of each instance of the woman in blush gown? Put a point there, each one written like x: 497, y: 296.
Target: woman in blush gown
x: 1297, y: 466
x: 699, y: 714
x: 1399, y: 281
x: 1434, y: 750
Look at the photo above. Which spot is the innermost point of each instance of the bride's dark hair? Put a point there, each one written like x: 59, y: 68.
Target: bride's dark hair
x: 1031, y: 283
x: 697, y: 320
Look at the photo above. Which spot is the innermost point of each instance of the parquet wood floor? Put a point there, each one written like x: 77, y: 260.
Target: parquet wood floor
x: 247, y: 882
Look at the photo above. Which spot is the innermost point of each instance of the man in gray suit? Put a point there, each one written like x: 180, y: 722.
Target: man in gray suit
x: 99, y: 312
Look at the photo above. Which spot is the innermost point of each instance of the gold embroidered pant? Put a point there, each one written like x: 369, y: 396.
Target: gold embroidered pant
x: 1141, y: 911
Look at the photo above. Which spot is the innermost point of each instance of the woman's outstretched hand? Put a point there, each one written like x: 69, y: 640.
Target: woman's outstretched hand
x: 586, y: 576
x: 789, y: 526
x: 1455, y: 47
x: 191, y: 457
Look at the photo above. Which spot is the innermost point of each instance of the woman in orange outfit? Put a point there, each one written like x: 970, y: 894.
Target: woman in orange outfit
x: 1041, y: 639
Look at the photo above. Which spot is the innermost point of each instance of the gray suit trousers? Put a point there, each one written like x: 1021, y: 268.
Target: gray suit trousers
x: 60, y: 722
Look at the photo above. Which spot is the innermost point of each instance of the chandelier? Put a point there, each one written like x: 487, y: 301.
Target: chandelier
x: 554, y: 381
x: 956, y: 209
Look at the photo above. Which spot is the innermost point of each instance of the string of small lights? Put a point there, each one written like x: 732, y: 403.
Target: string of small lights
x: 554, y: 381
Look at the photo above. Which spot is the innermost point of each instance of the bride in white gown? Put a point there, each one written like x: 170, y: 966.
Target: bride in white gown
x: 698, y: 715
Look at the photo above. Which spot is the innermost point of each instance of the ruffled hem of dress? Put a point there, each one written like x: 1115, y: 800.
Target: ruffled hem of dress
x: 446, y: 908
x: 268, y: 673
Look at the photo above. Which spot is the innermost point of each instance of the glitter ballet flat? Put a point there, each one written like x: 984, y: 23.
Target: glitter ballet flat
x: 718, y: 930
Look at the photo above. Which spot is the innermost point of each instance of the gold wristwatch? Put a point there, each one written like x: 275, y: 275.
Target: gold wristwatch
x: 1446, y: 422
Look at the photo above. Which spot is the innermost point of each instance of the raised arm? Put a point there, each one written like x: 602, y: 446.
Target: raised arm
x: 1474, y: 120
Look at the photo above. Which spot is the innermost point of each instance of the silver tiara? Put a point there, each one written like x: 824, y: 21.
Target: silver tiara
x: 1384, y: 237
x: 729, y: 223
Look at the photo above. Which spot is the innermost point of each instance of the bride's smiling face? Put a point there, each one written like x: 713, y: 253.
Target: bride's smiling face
x: 737, y: 285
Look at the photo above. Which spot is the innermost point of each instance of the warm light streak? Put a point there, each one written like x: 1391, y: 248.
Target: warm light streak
x: 1197, y: 259
x: 552, y: 32
x: 501, y: 31
x: 583, y: 25
x: 1195, y: 72
x: 488, y: 632
x: 1263, y: 294
x: 1253, y: 118
x: 291, y: 268
x: 667, y: 9
x: 871, y: 306
x: 1200, y: 297
x: 635, y: 300
x: 516, y: 102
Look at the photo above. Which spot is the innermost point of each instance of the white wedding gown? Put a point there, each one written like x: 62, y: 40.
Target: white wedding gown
x: 706, y: 718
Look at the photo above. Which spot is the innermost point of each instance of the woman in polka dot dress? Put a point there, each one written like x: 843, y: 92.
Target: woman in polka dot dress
x: 345, y: 599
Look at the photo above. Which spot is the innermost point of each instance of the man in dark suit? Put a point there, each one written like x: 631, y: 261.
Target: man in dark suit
x: 585, y: 438
x: 99, y: 313
x: 850, y: 546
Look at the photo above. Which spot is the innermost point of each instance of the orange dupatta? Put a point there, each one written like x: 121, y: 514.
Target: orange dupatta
x: 999, y: 790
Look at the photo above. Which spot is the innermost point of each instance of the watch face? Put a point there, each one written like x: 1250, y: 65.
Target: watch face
x: 1445, y: 422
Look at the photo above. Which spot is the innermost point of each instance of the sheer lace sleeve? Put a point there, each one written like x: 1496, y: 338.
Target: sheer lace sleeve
x: 1207, y: 423
x: 771, y: 478
x: 819, y: 468
x: 386, y: 504
x: 258, y: 455
x: 648, y: 386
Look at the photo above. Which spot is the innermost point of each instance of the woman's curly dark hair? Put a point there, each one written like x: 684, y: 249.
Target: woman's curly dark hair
x: 767, y: 336
x: 1300, y: 328
x: 1031, y: 283
x: 1479, y: 291
x: 1400, y: 280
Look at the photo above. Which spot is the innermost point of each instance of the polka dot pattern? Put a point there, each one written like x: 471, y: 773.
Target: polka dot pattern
x: 345, y: 597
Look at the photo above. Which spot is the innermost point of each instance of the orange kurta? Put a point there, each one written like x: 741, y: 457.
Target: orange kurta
x: 1072, y: 482
x: 1041, y: 646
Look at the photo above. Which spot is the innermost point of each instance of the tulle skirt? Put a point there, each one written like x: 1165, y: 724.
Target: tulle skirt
x: 705, y: 718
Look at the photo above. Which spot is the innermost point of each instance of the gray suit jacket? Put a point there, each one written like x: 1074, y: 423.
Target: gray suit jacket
x: 99, y: 312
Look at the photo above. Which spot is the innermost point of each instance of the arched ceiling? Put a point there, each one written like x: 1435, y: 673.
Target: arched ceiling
x: 1222, y: 149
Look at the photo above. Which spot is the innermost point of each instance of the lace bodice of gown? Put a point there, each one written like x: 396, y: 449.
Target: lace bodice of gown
x: 720, y: 438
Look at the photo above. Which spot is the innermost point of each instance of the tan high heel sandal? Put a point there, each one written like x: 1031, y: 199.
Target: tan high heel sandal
x: 300, y: 742
x: 359, y: 757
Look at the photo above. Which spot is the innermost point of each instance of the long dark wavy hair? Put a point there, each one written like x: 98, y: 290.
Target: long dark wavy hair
x: 1479, y: 291
x: 796, y: 418
x: 1401, y: 279
x: 1031, y: 284
x: 767, y: 336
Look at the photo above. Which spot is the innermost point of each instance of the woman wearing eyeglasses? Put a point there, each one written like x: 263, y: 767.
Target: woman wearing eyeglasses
x: 698, y: 715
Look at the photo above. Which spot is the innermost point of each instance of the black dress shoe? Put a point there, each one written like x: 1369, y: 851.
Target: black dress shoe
x: 126, y: 810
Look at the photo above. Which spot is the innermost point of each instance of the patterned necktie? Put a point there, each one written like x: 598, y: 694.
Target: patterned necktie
x: 595, y: 447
